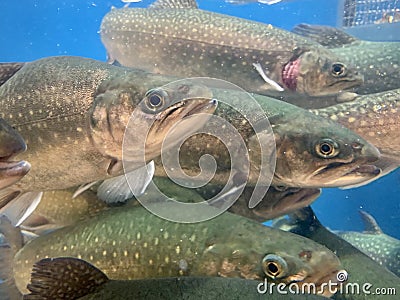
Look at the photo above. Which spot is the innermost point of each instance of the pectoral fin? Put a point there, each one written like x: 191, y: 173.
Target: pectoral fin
x: 20, y: 206
x: 117, y: 189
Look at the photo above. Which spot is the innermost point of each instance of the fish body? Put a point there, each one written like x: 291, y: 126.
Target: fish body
x: 381, y: 247
x: 88, y: 282
x: 133, y: 243
x: 192, y: 42
x: 359, y: 267
x: 11, y: 144
x: 378, y: 62
x: 59, y: 209
x: 72, y: 113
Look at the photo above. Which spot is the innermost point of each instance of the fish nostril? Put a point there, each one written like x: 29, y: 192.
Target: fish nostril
x: 357, y: 146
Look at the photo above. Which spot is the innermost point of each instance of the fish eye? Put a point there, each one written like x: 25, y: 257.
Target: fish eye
x: 327, y: 148
x: 338, y: 69
x: 155, y: 98
x: 274, y: 266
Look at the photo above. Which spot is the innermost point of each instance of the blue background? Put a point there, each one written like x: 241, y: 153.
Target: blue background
x: 33, y: 29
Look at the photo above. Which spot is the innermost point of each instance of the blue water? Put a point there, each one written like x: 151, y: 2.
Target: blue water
x: 34, y: 29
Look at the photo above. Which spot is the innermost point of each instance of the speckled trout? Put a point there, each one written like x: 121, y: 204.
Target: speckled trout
x: 360, y: 268
x: 381, y: 247
x: 133, y: 243
x: 174, y: 37
x: 73, y: 112
x: 378, y: 62
x: 71, y: 277
x: 310, y: 151
x: 375, y: 117
x: 11, y: 143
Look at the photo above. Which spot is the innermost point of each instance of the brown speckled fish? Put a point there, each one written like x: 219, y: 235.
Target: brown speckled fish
x: 378, y: 62
x: 73, y: 112
x: 174, y: 37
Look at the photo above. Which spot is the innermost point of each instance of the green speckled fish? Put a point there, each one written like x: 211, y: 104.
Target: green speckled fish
x: 361, y: 269
x: 133, y: 243
x: 73, y: 112
x: 381, y: 247
x: 174, y: 37
x: 65, y: 277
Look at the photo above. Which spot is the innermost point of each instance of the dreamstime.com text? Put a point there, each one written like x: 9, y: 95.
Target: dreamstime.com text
x: 330, y: 286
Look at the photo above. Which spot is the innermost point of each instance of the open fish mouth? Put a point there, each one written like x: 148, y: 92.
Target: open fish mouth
x: 12, y: 171
x: 290, y: 73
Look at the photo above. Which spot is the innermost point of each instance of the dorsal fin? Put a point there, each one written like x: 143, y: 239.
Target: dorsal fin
x: 63, y: 278
x: 370, y: 224
x: 174, y: 4
x: 327, y: 36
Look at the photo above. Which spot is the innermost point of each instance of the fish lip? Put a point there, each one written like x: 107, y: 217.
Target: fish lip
x: 12, y: 171
x: 201, y: 108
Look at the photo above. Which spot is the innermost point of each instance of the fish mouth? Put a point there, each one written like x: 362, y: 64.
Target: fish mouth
x: 12, y: 171
x: 289, y: 74
x: 352, y: 174
x: 177, y: 120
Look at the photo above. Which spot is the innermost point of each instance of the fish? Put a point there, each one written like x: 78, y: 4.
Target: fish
x: 88, y: 282
x: 300, y: 157
x: 194, y: 42
x: 360, y: 268
x: 381, y: 247
x: 375, y: 117
x: 72, y: 113
x: 11, y: 144
x: 379, y: 62
x: 133, y: 244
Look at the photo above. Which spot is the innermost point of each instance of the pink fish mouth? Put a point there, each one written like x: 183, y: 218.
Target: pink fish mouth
x: 290, y: 73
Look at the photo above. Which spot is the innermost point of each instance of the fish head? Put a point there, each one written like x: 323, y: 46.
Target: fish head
x: 125, y: 119
x: 307, y: 268
x: 319, y: 73
x: 325, y: 154
x: 11, y: 144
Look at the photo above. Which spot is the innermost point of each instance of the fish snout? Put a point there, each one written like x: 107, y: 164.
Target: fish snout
x: 366, y: 151
x: 11, y: 142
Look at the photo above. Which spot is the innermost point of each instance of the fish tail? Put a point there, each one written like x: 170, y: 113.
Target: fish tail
x: 13, y: 241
